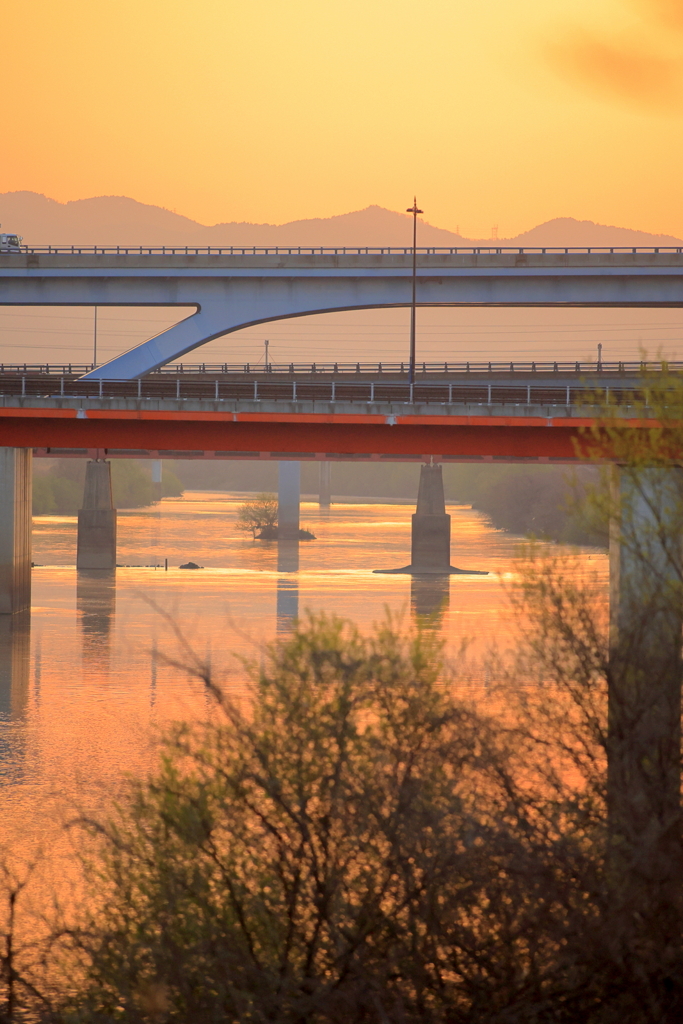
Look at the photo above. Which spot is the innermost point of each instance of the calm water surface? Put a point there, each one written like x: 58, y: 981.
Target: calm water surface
x: 85, y: 685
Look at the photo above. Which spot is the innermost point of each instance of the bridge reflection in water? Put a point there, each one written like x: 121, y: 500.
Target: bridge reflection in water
x: 287, y: 586
x: 430, y: 598
x: 15, y: 662
x: 96, y: 605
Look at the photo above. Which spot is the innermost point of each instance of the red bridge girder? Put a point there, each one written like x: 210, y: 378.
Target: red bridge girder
x: 294, y: 435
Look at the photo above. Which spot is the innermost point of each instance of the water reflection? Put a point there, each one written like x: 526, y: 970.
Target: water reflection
x: 84, y: 725
x: 15, y: 660
x: 287, y: 588
x: 430, y: 597
x: 96, y: 604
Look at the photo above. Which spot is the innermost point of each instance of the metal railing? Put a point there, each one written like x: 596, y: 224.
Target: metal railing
x: 365, y: 369
x: 323, y: 250
x: 367, y: 393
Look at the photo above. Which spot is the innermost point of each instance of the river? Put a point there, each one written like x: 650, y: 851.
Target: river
x: 85, y: 687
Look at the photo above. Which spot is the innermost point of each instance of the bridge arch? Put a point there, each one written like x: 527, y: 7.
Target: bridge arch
x: 234, y: 291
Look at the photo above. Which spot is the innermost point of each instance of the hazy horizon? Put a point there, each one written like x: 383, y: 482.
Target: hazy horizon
x: 123, y: 220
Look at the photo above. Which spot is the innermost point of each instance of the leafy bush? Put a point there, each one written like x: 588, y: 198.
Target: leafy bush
x: 258, y: 515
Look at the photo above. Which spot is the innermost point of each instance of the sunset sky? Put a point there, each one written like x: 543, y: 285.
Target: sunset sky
x: 504, y: 112
x: 495, y: 112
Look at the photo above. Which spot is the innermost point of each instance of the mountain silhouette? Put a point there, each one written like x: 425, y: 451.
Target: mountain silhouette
x: 118, y: 220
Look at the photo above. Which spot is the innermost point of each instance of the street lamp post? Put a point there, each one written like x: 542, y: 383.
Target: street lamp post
x: 411, y: 371
x: 94, y: 342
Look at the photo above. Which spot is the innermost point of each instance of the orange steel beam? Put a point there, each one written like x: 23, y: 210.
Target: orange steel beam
x: 282, y: 433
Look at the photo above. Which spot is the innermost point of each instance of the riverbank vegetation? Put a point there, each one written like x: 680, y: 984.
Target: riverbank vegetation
x: 58, y: 488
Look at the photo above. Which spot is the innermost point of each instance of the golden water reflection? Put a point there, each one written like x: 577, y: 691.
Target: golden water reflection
x: 83, y: 690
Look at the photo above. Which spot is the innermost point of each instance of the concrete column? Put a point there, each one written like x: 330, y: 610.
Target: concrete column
x: 431, y: 526
x: 644, y: 688
x: 97, y: 520
x: 157, y: 469
x: 288, y: 499
x: 431, y: 530
x: 325, y: 491
x: 16, y: 465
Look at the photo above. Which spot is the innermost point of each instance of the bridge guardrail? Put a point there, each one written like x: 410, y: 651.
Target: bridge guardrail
x: 366, y: 368
x: 318, y: 250
x: 364, y: 392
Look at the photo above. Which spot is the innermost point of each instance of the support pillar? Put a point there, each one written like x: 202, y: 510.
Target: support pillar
x: 325, y: 490
x: 431, y: 530
x: 97, y: 520
x: 157, y: 470
x: 644, y: 691
x: 430, y: 548
x: 16, y: 466
x: 288, y: 500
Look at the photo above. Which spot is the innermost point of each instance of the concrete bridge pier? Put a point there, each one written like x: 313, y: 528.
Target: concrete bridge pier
x: 157, y: 471
x: 288, y: 500
x: 644, y: 685
x: 97, y: 519
x: 430, y: 549
x: 325, y: 487
x: 16, y: 465
x: 431, y: 530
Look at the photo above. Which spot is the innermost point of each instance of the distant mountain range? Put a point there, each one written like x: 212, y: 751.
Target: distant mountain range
x: 117, y: 220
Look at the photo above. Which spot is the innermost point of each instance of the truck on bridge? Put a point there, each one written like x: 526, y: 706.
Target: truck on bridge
x: 10, y: 242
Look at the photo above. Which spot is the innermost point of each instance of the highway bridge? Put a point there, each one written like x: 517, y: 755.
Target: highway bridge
x: 235, y: 288
x: 314, y: 414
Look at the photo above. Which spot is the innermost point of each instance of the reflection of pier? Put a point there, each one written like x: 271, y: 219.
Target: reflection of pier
x: 430, y: 596
x: 287, y: 588
x: 15, y: 661
x: 15, y: 658
x: 96, y: 603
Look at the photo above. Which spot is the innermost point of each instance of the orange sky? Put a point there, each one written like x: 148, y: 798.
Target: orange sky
x: 503, y: 112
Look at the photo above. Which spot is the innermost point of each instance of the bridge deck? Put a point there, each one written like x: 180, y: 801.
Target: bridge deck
x: 302, y: 421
